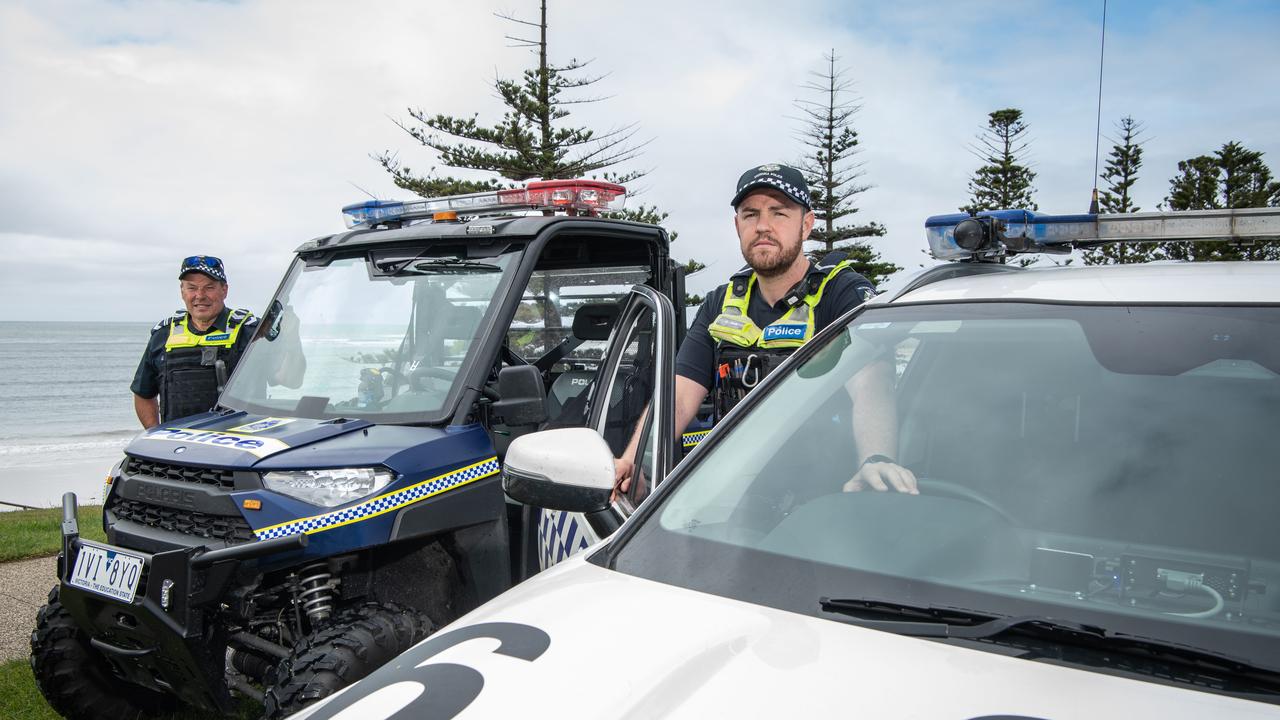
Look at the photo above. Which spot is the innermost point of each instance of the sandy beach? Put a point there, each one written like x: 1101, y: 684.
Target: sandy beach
x: 36, y: 482
x: 32, y: 479
x: 39, y: 480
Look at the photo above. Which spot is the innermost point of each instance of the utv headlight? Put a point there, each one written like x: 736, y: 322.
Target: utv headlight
x: 328, y: 488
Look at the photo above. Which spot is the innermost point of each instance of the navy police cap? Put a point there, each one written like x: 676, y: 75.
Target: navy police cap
x: 204, y: 264
x: 783, y: 178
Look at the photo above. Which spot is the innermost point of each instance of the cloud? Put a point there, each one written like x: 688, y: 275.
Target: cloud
x: 147, y: 131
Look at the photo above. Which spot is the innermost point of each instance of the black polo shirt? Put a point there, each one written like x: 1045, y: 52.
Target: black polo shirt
x: 146, y: 381
x: 696, y: 359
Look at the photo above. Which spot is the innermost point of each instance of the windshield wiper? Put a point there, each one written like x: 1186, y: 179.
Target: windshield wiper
x: 937, y: 621
x: 451, y: 265
x: 436, y: 265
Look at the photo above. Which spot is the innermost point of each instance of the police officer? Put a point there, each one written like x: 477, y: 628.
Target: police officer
x: 771, y: 307
x: 192, y: 352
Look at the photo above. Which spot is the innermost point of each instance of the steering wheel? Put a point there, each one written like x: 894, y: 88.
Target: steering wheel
x: 948, y: 489
x: 449, y: 374
x: 439, y: 373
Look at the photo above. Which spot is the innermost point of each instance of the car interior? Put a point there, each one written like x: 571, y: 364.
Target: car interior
x: 1045, y: 464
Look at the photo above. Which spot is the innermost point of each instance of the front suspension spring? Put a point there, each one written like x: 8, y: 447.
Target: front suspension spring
x: 315, y: 593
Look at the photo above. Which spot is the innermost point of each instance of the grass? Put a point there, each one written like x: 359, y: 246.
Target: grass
x: 20, y: 700
x: 38, y: 533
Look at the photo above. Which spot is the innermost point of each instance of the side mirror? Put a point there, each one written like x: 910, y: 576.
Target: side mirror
x: 272, y: 320
x: 523, y: 397
x: 568, y: 469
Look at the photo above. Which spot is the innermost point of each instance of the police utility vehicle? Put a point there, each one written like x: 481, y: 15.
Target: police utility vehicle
x: 301, y: 534
x: 1093, y: 537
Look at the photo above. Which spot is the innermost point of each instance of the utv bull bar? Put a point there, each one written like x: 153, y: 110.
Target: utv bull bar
x: 160, y: 640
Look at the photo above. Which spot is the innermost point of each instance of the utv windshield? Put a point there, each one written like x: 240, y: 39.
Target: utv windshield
x: 1115, y: 466
x: 380, y: 336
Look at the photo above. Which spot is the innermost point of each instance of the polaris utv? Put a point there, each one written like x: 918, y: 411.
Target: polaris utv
x: 310, y: 528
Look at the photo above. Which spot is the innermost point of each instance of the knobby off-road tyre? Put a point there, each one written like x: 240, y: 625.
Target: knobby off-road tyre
x: 77, y: 681
x: 359, y: 641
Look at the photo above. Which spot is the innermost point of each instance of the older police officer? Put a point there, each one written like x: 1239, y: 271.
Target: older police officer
x: 192, y: 352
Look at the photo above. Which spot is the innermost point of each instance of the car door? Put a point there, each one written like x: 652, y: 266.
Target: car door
x: 633, y: 391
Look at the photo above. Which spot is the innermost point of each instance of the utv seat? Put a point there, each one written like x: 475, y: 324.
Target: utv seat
x: 567, y: 397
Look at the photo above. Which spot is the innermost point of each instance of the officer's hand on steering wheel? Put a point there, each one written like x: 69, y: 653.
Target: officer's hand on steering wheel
x: 881, y: 474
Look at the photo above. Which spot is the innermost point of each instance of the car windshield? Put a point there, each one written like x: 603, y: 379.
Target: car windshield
x: 1109, y: 465
x: 379, y: 336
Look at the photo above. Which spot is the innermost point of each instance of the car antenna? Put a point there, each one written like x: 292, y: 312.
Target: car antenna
x: 1097, y: 131
x: 366, y: 192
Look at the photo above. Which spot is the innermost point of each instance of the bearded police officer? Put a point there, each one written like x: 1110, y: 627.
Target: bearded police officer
x: 772, y: 306
x: 192, y: 352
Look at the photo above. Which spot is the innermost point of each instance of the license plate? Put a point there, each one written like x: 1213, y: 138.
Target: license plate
x: 107, y: 571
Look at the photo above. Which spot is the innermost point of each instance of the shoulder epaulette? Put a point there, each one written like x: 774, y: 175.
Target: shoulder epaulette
x: 239, y: 316
x: 829, y: 262
x: 740, y: 279
x: 175, y: 317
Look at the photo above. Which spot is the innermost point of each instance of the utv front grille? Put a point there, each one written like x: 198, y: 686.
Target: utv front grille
x: 229, y: 529
x: 216, y: 477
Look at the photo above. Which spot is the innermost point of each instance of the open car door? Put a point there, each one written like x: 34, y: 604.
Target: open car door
x: 569, y: 472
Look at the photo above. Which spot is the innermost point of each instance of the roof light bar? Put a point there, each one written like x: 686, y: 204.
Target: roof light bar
x: 588, y: 197
x: 990, y: 235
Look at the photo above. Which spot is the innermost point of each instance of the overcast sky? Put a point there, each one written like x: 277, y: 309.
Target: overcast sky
x: 133, y: 134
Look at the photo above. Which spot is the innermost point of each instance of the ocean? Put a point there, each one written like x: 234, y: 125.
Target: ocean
x: 66, y: 411
x: 65, y: 407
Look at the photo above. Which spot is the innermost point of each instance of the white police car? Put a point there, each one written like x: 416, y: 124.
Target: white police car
x: 1094, y: 534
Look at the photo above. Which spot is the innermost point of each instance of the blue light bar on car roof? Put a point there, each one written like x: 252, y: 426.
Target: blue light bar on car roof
x: 992, y: 234
x: 1034, y: 231
x: 372, y: 212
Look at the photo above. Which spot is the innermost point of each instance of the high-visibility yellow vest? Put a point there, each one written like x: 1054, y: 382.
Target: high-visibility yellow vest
x: 188, y: 375
x: 793, y: 329
x: 180, y: 335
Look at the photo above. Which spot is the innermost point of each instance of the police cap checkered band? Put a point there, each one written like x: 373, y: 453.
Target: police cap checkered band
x: 787, y: 180
x: 204, y: 264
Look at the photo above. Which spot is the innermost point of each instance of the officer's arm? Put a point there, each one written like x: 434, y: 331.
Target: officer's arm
x: 695, y: 358
x: 875, y: 431
x: 148, y: 410
x: 689, y: 397
x: 146, y: 379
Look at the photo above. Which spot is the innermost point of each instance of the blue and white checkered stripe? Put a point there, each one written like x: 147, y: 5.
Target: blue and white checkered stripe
x: 560, y: 534
x: 383, y: 503
x: 798, y: 194
x: 693, y: 438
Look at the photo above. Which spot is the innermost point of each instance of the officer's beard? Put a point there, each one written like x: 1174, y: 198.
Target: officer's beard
x: 770, y: 267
